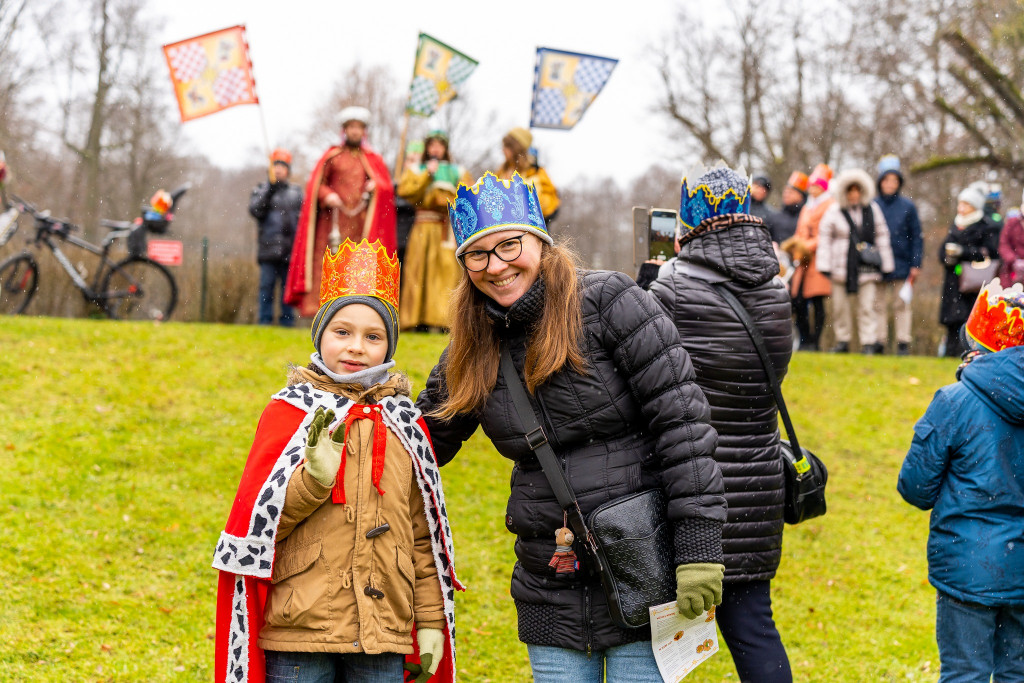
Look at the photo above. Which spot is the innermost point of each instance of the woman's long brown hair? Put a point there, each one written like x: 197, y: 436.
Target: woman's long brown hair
x: 474, y: 350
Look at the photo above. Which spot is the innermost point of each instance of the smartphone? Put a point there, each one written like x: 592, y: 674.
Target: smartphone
x: 662, y: 236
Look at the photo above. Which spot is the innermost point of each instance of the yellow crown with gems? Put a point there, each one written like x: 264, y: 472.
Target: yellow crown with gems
x: 363, y: 269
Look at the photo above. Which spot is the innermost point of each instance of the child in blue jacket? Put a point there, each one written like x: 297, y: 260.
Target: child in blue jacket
x: 966, y: 465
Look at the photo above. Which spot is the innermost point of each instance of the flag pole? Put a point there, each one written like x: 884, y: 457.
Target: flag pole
x: 266, y: 143
x: 401, y: 147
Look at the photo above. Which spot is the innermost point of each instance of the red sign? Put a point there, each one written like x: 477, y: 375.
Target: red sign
x: 167, y: 252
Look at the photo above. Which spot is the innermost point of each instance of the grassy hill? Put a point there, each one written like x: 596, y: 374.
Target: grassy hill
x: 121, y: 446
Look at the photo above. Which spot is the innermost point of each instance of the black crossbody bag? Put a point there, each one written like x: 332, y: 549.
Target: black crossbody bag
x: 628, y: 540
x: 805, y: 475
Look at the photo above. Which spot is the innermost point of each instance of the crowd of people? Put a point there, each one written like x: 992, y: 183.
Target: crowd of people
x: 336, y: 560
x: 351, y: 195
x: 823, y: 221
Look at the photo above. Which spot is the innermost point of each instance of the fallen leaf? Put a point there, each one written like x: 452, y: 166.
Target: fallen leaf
x: 105, y: 647
x: 166, y: 610
x: 914, y: 381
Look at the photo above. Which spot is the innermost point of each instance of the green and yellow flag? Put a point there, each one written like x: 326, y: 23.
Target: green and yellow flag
x: 440, y: 71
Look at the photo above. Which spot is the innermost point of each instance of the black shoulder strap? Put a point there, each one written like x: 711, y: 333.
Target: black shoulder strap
x: 766, y: 361
x: 538, y: 443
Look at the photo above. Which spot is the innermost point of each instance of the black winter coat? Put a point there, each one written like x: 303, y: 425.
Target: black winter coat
x: 980, y: 240
x: 782, y: 223
x: 730, y: 373
x: 276, y: 209
x: 761, y: 209
x: 635, y: 421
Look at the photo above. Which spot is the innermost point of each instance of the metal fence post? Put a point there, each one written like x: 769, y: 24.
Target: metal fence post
x: 202, y: 293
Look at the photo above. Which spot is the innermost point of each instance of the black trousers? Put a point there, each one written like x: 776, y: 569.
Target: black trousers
x: 745, y: 618
x: 803, y: 323
x: 954, y: 347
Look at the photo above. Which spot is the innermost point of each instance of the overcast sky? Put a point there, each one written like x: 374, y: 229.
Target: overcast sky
x: 299, y: 48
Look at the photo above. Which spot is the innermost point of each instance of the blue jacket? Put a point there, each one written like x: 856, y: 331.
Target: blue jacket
x: 904, y: 233
x: 966, y: 464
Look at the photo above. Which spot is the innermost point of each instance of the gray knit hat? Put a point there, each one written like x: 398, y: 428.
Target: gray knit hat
x: 388, y: 314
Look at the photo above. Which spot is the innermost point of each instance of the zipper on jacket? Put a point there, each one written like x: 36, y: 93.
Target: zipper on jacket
x: 586, y: 618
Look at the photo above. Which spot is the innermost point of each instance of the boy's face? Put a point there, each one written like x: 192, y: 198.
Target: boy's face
x: 354, y: 340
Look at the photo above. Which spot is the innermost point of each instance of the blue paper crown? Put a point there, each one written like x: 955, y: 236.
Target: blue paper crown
x: 717, y: 192
x: 491, y: 205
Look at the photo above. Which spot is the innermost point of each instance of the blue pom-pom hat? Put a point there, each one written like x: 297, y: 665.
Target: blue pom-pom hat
x: 492, y: 205
x: 715, y: 192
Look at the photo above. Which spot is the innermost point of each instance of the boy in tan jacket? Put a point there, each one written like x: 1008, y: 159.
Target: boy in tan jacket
x: 337, y: 556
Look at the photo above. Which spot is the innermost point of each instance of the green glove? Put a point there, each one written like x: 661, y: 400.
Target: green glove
x: 698, y: 588
x: 431, y: 644
x: 323, y: 451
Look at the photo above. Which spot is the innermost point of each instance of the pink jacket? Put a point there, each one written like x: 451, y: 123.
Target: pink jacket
x: 1011, y: 250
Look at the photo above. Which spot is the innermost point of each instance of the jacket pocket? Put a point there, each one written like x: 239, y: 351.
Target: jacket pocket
x: 301, y: 586
x: 395, y: 610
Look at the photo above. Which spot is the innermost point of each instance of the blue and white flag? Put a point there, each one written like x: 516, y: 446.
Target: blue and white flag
x: 564, y: 85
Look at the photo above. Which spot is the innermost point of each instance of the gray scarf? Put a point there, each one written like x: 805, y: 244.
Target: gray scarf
x: 367, y: 378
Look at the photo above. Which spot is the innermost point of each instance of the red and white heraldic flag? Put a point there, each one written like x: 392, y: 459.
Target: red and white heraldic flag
x: 211, y: 72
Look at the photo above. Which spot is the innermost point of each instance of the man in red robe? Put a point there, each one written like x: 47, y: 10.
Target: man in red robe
x: 350, y: 187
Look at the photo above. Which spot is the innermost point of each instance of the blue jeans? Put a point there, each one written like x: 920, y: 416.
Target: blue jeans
x: 632, y: 663
x: 319, y: 667
x: 976, y: 642
x: 745, y: 618
x: 272, y: 273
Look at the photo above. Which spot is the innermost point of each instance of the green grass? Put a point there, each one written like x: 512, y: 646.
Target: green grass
x: 121, y: 446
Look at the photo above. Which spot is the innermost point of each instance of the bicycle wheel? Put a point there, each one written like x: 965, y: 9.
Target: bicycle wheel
x: 19, y: 278
x: 139, y: 289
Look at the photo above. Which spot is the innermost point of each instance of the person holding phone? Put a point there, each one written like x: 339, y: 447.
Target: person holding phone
x: 722, y: 245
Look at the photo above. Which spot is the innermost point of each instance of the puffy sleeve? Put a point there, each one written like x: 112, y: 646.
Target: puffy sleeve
x: 883, y: 241
x: 447, y: 436
x: 646, y: 347
x: 926, y: 463
x: 546, y: 192
x: 412, y: 185
x: 826, y: 233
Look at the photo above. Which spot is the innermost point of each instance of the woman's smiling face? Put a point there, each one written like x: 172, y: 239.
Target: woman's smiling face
x: 354, y: 340
x: 504, y: 281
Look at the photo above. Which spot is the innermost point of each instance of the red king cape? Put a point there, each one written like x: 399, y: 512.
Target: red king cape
x: 381, y: 222
x: 245, y: 551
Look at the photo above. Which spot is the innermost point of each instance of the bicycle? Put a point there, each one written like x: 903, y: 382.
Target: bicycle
x: 134, y: 288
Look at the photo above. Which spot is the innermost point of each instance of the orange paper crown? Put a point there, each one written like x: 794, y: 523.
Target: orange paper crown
x: 363, y: 269
x: 997, y: 319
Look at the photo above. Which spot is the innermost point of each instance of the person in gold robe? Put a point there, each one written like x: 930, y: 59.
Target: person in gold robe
x: 516, y: 148
x: 430, y: 271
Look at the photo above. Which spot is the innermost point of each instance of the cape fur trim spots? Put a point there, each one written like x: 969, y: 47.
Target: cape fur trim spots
x: 253, y: 555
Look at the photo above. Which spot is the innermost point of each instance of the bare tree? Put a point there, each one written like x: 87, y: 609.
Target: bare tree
x: 374, y: 87
x: 759, y: 90
x: 106, y: 57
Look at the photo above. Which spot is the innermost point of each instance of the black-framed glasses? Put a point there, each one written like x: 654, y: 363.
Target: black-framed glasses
x: 506, y: 250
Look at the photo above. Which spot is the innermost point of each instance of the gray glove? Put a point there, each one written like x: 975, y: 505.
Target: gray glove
x: 323, y: 450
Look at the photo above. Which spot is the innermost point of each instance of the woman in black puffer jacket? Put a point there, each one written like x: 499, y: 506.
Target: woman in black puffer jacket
x: 614, y: 393
x: 735, y: 250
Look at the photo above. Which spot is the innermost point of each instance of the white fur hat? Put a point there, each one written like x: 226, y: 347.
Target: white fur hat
x: 361, y: 114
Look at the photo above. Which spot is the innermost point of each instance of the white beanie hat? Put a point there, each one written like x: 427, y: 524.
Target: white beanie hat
x: 973, y: 196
